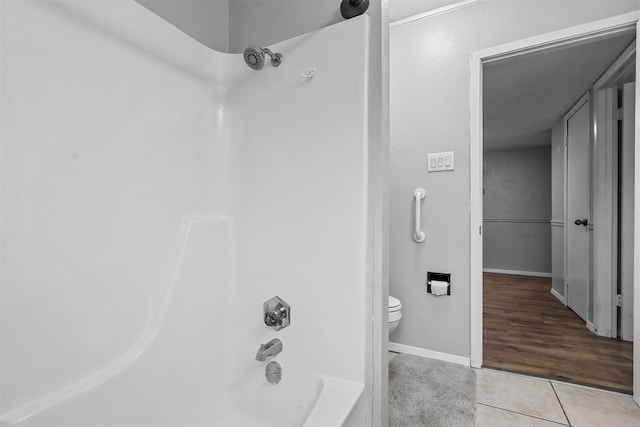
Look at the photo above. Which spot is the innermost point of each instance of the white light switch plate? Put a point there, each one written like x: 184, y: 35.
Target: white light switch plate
x: 437, y: 162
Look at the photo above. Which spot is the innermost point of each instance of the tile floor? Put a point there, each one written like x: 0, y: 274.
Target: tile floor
x: 506, y: 399
x: 509, y: 400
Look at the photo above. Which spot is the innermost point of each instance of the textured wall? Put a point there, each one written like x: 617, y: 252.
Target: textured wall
x: 430, y: 108
x: 517, y: 183
x: 517, y: 209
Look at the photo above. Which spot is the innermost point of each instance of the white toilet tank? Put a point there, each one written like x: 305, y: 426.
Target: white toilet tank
x: 395, y: 313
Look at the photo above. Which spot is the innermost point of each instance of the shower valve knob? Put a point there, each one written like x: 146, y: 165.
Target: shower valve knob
x: 272, y: 318
x: 277, y: 313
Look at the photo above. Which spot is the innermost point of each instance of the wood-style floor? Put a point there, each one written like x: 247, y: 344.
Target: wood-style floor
x: 527, y: 330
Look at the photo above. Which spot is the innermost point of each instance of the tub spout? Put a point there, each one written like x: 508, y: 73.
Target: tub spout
x: 269, y: 349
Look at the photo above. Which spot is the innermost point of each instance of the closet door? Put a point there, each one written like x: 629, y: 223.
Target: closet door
x: 578, y: 209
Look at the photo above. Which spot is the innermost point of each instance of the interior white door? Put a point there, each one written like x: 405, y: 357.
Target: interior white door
x: 577, y: 212
x: 627, y: 174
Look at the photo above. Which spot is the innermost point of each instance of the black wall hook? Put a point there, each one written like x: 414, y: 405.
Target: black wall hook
x: 352, y: 8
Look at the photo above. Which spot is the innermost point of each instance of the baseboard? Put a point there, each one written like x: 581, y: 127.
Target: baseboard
x: 591, y: 327
x: 558, y: 296
x: 516, y: 272
x: 423, y: 352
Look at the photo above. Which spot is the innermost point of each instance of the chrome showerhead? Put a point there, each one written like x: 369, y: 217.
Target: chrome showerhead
x: 254, y: 57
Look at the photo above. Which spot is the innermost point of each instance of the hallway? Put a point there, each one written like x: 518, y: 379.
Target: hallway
x: 527, y: 330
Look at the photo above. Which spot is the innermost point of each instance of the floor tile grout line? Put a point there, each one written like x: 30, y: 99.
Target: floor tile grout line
x: 560, y: 402
x: 520, y: 413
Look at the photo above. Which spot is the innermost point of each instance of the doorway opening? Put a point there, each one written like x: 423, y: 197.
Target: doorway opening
x: 532, y: 260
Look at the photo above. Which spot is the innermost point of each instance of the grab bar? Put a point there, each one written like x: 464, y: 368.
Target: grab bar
x: 418, y: 235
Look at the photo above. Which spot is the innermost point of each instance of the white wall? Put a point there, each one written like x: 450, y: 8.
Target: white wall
x: 205, y: 20
x: 430, y: 113
x: 300, y: 171
x: 517, y: 209
x: 108, y: 141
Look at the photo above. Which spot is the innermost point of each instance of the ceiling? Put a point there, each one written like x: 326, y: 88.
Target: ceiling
x: 525, y: 96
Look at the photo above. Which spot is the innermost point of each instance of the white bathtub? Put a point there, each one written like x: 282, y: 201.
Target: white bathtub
x: 119, y: 133
x: 314, y: 402
x: 319, y: 402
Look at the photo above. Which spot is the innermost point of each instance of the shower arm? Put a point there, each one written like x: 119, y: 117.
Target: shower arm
x: 276, y: 58
x: 269, y: 52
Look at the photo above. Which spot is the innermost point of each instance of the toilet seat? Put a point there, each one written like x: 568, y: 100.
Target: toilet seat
x: 394, y: 304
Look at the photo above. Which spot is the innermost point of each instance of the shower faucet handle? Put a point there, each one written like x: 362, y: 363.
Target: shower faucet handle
x: 277, y: 313
x: 274, y: 317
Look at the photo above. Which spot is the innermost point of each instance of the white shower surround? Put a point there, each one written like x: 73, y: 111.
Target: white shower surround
x: 154, y: 194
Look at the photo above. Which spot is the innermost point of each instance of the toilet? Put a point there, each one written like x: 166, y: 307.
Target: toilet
x: 395, y: 313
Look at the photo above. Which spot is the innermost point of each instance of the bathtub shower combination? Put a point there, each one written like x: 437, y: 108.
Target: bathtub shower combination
x: 183, y: 236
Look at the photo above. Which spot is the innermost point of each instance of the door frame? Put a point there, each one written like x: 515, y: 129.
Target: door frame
x: 554, y: 40
x: 605, y: 198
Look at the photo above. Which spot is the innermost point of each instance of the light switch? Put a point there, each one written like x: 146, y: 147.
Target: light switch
x: 438, y: 162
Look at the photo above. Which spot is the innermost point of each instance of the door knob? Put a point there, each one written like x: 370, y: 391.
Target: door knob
x: 581, y: 222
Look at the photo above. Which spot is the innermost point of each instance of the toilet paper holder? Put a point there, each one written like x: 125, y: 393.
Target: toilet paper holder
x: 442, y: 277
